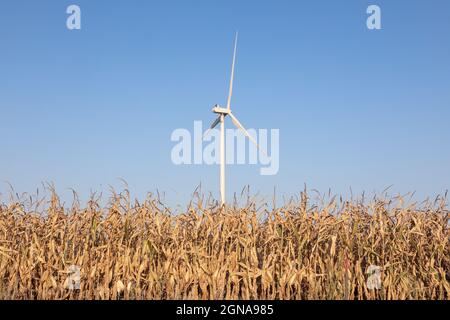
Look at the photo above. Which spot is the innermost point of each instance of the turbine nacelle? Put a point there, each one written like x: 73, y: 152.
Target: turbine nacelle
x: 219, y: 110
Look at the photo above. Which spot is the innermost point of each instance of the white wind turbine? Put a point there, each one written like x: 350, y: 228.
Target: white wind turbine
x: 222, y: 113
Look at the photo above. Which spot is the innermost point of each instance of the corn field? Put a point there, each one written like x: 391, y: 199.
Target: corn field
x: 303, y: 249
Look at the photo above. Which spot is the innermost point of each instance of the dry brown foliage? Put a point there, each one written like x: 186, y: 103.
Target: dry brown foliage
x: 130, y: 250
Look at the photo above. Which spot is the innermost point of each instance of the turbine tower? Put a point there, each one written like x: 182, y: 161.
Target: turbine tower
x: 222, y: 114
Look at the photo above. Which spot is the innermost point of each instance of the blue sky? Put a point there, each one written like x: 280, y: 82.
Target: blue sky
x: 355, y: 108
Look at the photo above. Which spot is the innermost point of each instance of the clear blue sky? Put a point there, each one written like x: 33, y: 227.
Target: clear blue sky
x: 355, y: 108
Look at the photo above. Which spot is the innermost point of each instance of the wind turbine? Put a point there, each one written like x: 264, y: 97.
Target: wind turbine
x: 222, y: 114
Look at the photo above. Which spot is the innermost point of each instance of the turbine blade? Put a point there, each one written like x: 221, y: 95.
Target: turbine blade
x: 214, y: 124
x: 230, y: 93
x: 241, y: 127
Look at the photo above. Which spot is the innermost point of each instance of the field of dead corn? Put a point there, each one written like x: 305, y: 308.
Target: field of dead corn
x: 302, y: 250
